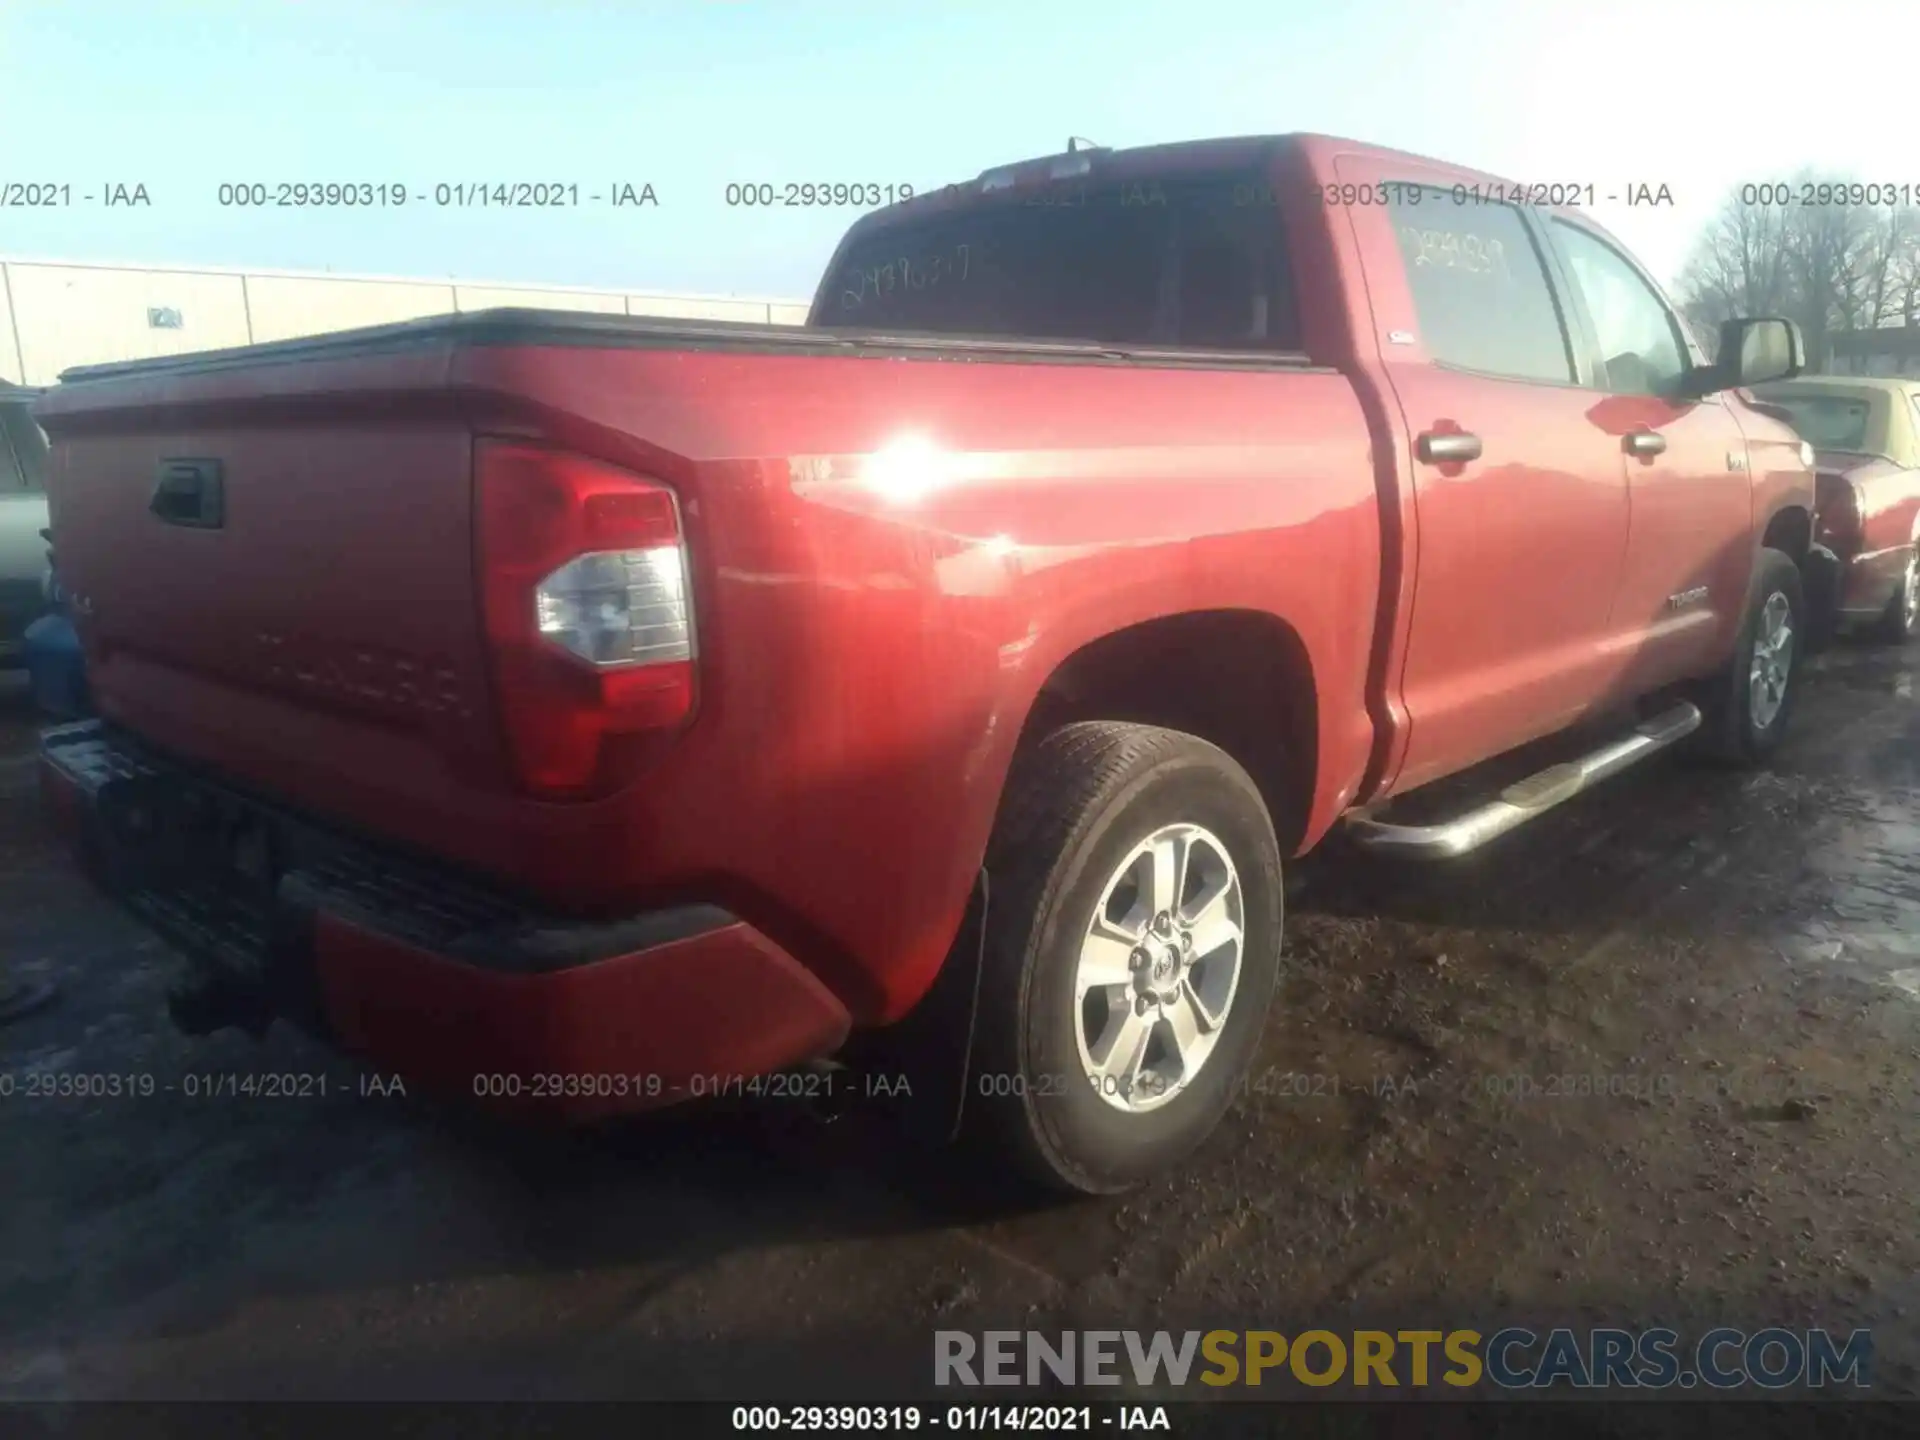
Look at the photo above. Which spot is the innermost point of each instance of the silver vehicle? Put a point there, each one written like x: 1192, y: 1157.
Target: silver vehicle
x: 23, y: 516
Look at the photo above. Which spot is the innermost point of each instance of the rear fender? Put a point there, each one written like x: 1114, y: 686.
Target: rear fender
x: 918, y: 1071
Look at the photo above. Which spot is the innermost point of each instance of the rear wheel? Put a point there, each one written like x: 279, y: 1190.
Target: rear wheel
x: 1746, y: 707
x: 1902, y: 615
x: 1133, y: 940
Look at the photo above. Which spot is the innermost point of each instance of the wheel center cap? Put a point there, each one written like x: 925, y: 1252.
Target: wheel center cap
x: 1166, y: 962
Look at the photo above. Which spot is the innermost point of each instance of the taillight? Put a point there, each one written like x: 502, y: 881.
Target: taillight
x: 584, y: 594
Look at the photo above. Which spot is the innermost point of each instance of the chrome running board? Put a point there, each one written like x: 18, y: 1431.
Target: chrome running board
x: 1525, y: 799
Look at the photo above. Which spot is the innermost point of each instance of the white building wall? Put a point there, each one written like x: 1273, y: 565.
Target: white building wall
x: 72, y: 315
x: 11, y: 368
x: 55, y: 315
x: 285, y: 307
x: 488, y: 297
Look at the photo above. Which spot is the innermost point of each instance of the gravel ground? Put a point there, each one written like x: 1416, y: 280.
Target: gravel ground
x: 1737, y: 956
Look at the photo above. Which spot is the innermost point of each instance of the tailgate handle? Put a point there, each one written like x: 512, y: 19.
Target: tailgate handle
x: 190, y: 492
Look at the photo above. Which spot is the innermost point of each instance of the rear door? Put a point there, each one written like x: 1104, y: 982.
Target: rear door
x: 1519, y: 496
x: 1689, y: 491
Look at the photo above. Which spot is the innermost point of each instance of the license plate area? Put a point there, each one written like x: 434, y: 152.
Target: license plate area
x: 239, y: 846
x: 234, y: 879
x: 199, y: 864
x: 169, y: 829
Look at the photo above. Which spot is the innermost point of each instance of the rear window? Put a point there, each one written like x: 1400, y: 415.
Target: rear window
x: 1188, y: 261
x: 1826, y: 422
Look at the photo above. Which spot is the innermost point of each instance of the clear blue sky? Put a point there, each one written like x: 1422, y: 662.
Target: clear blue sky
x: 691, y: 94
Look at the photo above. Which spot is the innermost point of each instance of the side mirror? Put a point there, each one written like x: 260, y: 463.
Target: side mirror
x: 1753, y: 352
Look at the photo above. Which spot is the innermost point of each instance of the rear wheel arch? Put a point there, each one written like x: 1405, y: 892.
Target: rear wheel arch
x: 1239, y: 681
x: 1790, y: 531
x: 1242, y: 680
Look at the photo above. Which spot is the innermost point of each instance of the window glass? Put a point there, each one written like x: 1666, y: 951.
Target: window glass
x: 1826, y: 422
x: 1479, y: 287
x: 1184, y: 260
x: 1639, y: 344
x: 13, y: 476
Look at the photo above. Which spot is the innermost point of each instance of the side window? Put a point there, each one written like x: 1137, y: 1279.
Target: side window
x: 1235, y: 289
x: 1640, y: 345
x: 13, y: 477
x: 1479, y: 287
x: 23, y: 452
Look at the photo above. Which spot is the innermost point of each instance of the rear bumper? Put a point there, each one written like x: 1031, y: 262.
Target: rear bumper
x: 427, y: 975
x: 1869, y: 582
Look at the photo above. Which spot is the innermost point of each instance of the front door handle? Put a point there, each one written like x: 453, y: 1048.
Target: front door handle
x: 1646, y: 442
x: 1451, y: 448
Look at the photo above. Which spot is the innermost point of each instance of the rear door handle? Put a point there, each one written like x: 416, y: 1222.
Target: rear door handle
x: 1451, y: 448
x: 1646, y: 442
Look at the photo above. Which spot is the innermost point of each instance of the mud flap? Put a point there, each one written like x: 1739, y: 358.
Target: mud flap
x: 919, y: 1067
x: 1820, y: 580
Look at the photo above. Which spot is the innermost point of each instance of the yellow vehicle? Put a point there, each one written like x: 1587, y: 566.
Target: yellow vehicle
x: 1865, y: 433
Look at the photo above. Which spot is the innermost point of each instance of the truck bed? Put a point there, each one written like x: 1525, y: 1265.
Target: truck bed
x: 865, y: 650
x: 517, y: 326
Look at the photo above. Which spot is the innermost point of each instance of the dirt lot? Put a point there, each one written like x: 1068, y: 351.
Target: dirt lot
x: 1737, y: 957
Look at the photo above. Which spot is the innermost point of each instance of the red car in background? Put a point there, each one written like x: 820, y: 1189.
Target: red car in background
x: 1865, y: 433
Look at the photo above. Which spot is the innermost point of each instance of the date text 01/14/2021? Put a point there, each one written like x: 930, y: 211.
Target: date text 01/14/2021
x: 461, y: 194
x: 196, y: 1085
x: 808, y: 1085
x: 1566, y: 194
x: 60, y: 194
x: 1510, y: 1087
x: 970, y: 1418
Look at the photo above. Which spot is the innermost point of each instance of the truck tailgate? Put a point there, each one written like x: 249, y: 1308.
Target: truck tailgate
x: 312, y: 627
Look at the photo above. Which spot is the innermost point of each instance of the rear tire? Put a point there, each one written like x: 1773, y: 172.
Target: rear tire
x: 1116, y: 1017
x: 1747, y: 706
x: 1902, y: 615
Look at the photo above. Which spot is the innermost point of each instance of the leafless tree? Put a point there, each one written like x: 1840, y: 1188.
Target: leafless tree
x: 1830, y: 267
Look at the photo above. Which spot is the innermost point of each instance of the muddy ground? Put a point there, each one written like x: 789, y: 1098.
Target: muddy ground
x: 1736, y: 956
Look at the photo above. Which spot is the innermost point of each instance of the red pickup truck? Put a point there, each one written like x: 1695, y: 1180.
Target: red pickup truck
x: 591, y: 711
